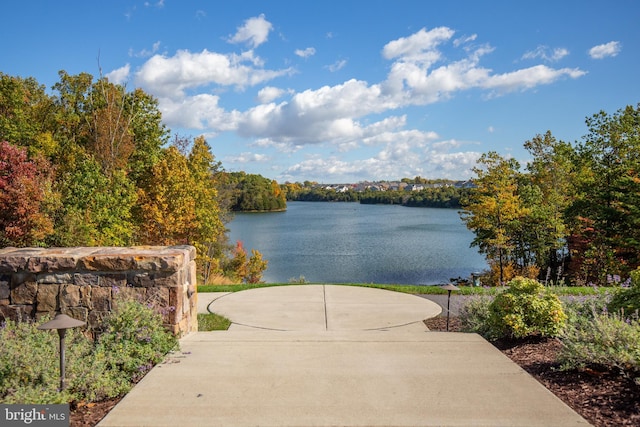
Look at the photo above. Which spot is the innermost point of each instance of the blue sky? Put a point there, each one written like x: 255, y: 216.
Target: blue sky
x: 346, y: 91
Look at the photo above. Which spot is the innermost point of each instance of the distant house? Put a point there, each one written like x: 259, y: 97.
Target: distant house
x: 414, y: 187
x: 465, y: 184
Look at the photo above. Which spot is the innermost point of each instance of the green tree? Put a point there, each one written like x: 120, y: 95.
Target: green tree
x: 25, y: 114
x: 548, y: 190
x: 96, y: 207
x: 605, y: 215
x: 494, y: 212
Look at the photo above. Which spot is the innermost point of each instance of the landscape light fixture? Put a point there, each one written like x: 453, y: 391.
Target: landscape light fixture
x: 449, y: 287
x: 61, y: 323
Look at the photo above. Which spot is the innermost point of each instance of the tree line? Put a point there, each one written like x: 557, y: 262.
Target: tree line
x: 442, y: 195
x: 92, y: 164
x: 572, y: 213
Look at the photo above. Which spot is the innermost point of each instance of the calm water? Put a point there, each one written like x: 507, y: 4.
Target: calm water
x: 349, y: 242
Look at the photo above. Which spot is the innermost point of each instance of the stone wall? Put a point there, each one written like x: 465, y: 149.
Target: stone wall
x: 86, y: 282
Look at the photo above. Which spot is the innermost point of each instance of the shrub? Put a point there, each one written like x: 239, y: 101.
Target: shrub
x: 602, y: 340
x: 474, y: 315
x: 134, y: 340
x: 627, y: 300
x: 526, y: 308
x: 134, y: 333
x: 29, y: 365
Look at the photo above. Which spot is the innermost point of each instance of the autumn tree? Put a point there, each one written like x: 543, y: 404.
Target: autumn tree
x: 167, y: 208
x: 26, y: 115
x: 208, y: 230
x: 494, y: 212
x: 25, y: 197
x: 547, y: 191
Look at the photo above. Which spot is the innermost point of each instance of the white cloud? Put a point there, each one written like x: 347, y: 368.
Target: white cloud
x: 605, y: 50
x: 463, y: 40
x: 546, y: 53
x: 172, y: 76
x: 254, y: 32
x: 338, y: 65
x: 247, y: 157
x: 119, y: 75
x: 340, y: 117
x: 270, y: 93
x: 145, y: 53
x: 528, y: 78
x: 417, y: 45
x: 400, y: 158
x: 305, y: 53
x: 198, y: 112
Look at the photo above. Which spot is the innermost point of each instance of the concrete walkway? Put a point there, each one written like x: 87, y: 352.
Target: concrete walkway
x: 321, y: 355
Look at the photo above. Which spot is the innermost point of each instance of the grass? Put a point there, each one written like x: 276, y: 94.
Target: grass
x: 409, y: 289
x: 212, y: 322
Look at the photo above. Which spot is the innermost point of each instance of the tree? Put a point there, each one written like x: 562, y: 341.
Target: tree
x: 96, y: 207
x: 605, y: 215
x: 167, y: 208
x: 25, y: 192
x: 26, y: 115
x: 494, y: 211
x: 110, y: 135
x: 549, y: 190
x: 208, y: 229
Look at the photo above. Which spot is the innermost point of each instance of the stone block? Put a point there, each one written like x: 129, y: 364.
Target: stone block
x: 85, y: 296
x: 51, y: 263
x: 13, y: 260
x: 54, y: 278
x: 95, y: 319
x: 176, y: 300
x: 48, y: 297
x: 86, y: 279
x: 25, y: 292
x: 101, y: 299
x: 192, y: 275
x: 114, y: 279
x: 161, y: 278
x: 157, y: 297
x: 79, y: 313
x: 69, y: 296
x: 15, y: 312
x: 129, y: 293
x: 5, y: 290
x: 106, y: 262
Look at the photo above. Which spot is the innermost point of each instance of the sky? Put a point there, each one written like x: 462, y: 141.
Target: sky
x: 346, y: 91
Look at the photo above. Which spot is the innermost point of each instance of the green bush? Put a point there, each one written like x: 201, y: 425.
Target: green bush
x: 526, y: 308
x: 602, y: 340
x: 29, y: 365
x: 133, y: 341
x: 627, y: 300
x: 134, y: 333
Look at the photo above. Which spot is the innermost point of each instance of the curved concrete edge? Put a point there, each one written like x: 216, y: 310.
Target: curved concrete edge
x: 322, y: 307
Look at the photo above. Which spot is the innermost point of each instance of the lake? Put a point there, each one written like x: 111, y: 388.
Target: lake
x: 329, y: 242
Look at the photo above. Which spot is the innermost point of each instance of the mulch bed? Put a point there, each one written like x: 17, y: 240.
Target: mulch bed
x: 603, y: 398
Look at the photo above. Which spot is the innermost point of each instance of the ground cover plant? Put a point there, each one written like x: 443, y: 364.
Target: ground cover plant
x: 592, y: 362
x: 130, y: 342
